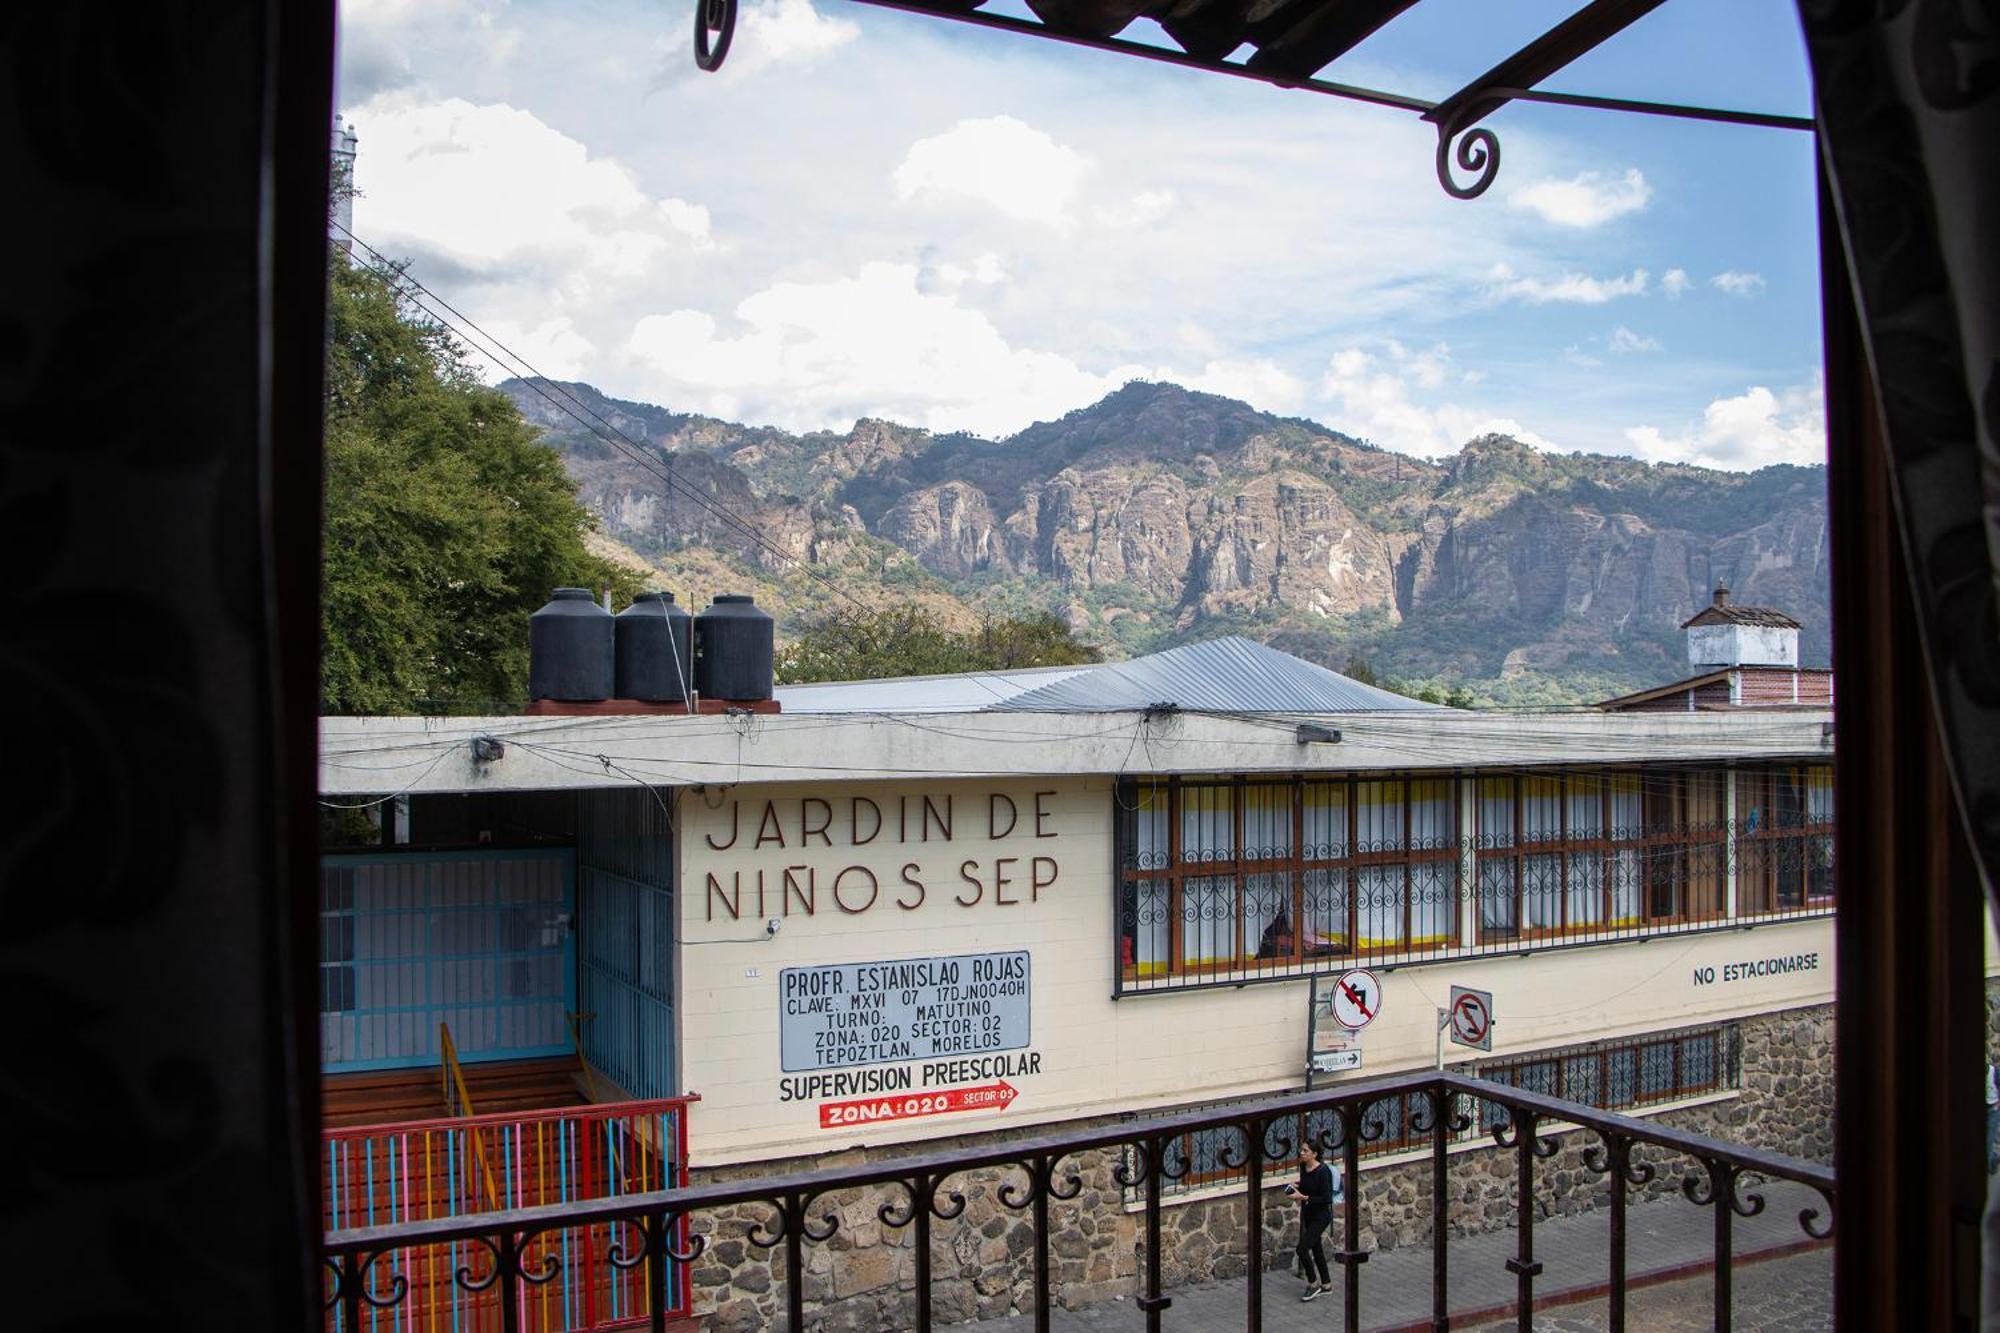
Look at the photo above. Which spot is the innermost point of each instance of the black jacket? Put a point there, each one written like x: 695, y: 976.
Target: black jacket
x: 1317, y: 1186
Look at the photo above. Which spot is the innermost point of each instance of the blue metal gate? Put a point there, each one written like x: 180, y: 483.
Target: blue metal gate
x: 479, y: 940
x: 625, y: 851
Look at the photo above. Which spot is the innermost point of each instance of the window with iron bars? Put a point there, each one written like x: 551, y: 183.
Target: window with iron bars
x: 1222, y: 876
x: 1563, y: 853
x: 1626, y: 1075
x: 1784, y: 840
x: 1226, y: 879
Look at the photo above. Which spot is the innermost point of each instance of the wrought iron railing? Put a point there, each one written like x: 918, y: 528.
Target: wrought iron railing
x: 1258, y: 915
x: 489, y: 1166
x: 1626, y: 1074
x: 792, y: 1211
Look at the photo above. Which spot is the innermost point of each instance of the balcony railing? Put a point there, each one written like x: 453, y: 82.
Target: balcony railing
x: 1626, y: 1074
x: 473, y: 1168
x: 783, y: 1215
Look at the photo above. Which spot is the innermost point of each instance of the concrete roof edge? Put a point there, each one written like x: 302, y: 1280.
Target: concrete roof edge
x: 378, y: 756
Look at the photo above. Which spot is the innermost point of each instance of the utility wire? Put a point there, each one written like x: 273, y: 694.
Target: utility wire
x: 577, y: 410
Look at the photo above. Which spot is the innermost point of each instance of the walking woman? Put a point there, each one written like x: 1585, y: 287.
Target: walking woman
x: 1314, y: 1193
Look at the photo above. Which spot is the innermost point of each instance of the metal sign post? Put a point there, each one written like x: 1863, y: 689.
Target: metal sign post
x: 1340, y: 1008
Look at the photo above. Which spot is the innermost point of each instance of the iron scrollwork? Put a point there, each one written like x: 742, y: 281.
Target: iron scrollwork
x: 1435, y: 1107
x: 1613, y: 1156
x: 1133, y: 1164
x: 714, y: 28
x: 655, y: 1242
x: 351, y: 1283
x: 1478, y: 152
x: 1520, y: 1123
x: 1042, y: 1183
x: 509, y: 1253
x: 1721, y: 1182
x: 792, y: 1220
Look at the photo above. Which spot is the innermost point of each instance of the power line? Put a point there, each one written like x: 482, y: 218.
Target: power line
x: 577, y: 410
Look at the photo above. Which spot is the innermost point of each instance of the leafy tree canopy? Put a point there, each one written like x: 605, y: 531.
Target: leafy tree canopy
x: 909, y: 641
x: 446, y: 523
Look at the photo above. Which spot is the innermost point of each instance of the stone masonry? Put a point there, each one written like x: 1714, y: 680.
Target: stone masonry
x: 862, y: 1278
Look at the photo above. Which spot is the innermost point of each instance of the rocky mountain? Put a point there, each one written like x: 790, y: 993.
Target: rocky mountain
x: 1159, y: 515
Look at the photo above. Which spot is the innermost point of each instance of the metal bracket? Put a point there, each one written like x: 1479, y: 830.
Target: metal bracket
x: 714, y: 28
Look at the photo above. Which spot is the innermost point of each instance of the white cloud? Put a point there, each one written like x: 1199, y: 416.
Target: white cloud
x: 1624, y: 342
x: 812, y: 355
x: 554, y: 347
x: 983, y: 271
x: 684, y: 194
x: 1375, y: 400
x: 1001, y: 163
x: 776, y: 32
x: 1141, y: 210
x: 381, y: 41
x: 1754, y: 429
x: 1737, y: 283
x: 495, y: 192
x: 1675, y: 282
x: 1576, y: 356
x: 1263, y: 384
x: 1587, y: 200
x: 1574, y: 288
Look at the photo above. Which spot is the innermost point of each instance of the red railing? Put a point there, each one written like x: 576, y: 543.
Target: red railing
x: 418, y: 1171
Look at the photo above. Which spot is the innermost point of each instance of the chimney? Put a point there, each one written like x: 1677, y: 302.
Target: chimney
x: 1724, y: 635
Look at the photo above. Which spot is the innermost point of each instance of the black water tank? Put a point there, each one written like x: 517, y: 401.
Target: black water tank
x: 733, y: 642
x: 569, y: 649
x: 655, y: 650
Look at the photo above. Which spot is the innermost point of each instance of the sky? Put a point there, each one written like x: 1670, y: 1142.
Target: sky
x: 873, y: 214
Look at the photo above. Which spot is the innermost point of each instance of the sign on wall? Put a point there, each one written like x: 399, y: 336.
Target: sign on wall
x: 822, y: 857
x: 845, y: 1014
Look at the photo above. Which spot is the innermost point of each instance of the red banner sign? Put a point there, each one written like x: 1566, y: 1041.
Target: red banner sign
x: 906, y: 1106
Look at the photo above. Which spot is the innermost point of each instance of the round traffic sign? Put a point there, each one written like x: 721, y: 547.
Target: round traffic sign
x: 1470, y: 1021
x: 1357, y: 998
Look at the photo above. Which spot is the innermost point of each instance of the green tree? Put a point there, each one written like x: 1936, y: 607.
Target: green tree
x: 1358, y: 669
x: 446, y: 522
x: 908, y: 641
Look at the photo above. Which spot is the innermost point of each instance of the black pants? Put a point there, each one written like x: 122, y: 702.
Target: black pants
x: 1312, y: 1255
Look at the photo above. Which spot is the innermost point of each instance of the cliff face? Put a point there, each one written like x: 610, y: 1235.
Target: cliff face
x: 1157, y: 513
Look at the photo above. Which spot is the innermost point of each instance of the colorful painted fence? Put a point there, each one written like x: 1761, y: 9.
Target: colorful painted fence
x: 377, y: 1175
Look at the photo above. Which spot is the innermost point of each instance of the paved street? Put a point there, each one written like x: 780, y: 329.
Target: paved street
x: 1786, y: 1294
x: 1793, y: 1294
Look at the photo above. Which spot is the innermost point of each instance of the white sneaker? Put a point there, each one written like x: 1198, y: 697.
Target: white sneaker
x: 1312, y: 1290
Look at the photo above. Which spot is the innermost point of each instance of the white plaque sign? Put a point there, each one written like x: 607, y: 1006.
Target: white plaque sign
x: 846, y: 1014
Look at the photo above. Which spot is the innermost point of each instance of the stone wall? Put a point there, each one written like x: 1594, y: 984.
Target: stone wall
x: 863, y: 1278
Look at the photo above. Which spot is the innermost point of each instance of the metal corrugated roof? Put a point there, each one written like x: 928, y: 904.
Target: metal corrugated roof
x: 966, y: 692
x: 1232, y: 675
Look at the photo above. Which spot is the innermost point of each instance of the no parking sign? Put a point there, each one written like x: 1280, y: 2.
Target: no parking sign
x: 1471, y: 1017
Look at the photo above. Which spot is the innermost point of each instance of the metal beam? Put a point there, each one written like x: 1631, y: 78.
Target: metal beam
x: 1320, y: 36
x: 1580, y: 33
x: 948, y: 9
x: 1766, y: 119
